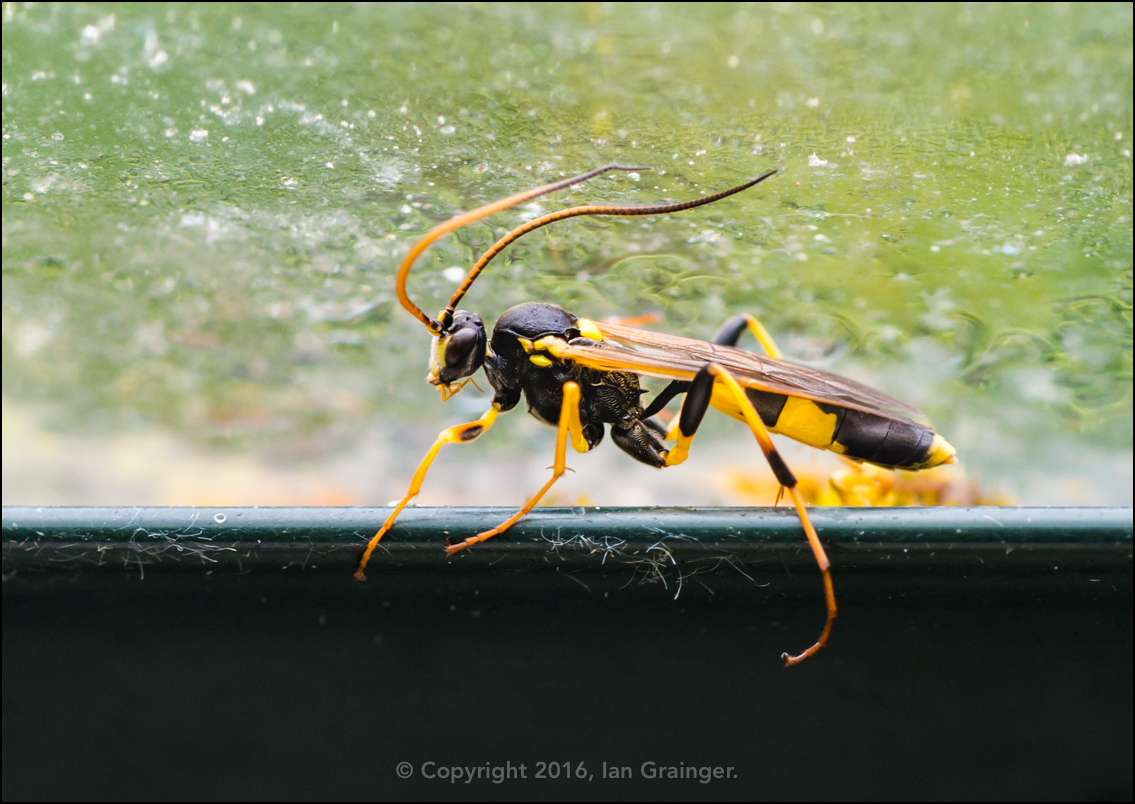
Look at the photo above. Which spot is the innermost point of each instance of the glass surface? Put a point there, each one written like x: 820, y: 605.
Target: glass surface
x: 204, y: 207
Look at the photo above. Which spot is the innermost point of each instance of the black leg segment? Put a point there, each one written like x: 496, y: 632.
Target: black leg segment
x: 697, y: 402
x: 730, y: 332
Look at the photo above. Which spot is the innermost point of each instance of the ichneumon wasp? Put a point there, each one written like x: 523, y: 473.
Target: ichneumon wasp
x: 581, y: 376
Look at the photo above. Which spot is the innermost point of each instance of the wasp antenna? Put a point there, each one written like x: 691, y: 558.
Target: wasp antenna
x: 464, y: 219
x: 596, y: 209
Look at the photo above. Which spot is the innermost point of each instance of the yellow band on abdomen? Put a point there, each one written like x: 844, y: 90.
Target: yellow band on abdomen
x: 800, y: 419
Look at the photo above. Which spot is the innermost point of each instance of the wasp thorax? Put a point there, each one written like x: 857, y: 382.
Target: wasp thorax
x: 459, y: 350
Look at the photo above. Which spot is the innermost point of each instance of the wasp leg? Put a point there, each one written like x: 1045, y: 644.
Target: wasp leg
x: 788, y: 481
x: 461, y: 434
x: 731, y: 330
x: 727, y: 335
x: 699, y: 391
x: 662, y: 399
x: 569, y: 425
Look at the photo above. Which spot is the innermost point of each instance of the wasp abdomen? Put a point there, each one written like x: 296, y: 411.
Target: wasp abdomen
x: 881, y: 441
x: 854, y: 433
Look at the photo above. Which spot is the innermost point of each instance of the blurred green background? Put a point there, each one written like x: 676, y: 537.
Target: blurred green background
x: 204, y: 207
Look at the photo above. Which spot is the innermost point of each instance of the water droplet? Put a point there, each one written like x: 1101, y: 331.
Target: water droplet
x: 219, y: 518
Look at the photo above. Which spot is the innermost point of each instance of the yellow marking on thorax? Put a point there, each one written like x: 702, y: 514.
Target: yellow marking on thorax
x: 548, y: 341
x: 800, y: 419
x: 546, y: 344
x: 588, y: 329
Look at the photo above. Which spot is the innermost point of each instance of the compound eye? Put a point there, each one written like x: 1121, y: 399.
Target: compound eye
x: 460, y: 346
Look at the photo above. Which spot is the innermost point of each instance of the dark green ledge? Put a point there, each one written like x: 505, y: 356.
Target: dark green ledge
x: 71, y: 539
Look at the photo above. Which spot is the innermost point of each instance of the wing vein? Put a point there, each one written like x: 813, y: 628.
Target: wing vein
x: 676, y: 358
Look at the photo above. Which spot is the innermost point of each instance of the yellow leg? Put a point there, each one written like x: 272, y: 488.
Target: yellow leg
x: 825, y: 568
x: 699, y: 392
x: 461, y: 434
x: 569, y: 425
x: 678, y: 453
x: 730, y: 333
x: 786, y: 478
x: 762, y: 336
x: 673, y: 433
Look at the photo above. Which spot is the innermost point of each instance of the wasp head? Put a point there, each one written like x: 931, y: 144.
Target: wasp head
x: 458, y: 351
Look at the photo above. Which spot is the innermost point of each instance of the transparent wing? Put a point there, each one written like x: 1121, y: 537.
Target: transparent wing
x: 677, y: 358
